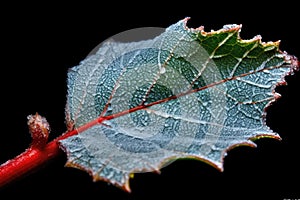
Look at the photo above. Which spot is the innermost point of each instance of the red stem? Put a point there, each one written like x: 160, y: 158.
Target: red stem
x: 31, y: 159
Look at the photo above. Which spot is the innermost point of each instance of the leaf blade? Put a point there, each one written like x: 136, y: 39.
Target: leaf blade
x: 186, y: 93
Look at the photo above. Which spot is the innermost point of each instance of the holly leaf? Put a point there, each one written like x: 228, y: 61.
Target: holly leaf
x: 187, y: 93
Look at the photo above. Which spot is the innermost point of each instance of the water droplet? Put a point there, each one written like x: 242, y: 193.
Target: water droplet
x: 205, y: 103
x: 109, y: 108
x: 162, y: 70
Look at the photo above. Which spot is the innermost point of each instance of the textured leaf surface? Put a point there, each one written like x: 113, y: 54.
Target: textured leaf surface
x: 186, y: 93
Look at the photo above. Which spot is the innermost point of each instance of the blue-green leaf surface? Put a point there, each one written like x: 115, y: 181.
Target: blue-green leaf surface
x: 186, y: 93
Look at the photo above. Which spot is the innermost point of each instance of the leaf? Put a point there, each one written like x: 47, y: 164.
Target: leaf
x: 186, y: 93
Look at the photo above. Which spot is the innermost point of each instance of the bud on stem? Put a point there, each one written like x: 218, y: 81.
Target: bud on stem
x: 39, y: 129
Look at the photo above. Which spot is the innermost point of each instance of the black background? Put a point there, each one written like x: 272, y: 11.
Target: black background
x: 39, y: 42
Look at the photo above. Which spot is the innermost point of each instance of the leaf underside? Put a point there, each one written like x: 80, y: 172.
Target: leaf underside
x: 186, y: 93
